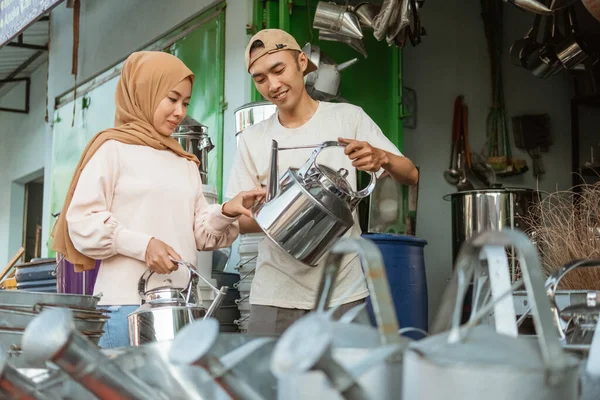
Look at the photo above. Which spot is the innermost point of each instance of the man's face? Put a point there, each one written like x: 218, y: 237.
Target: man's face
x: 279, y: 78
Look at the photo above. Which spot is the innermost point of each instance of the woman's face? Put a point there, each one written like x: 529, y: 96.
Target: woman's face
x: 173, y: 108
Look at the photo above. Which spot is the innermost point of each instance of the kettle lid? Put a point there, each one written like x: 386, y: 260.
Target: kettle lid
x: 337, y: 178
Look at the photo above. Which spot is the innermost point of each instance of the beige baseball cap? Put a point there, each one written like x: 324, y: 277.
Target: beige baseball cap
x: 274, y: 40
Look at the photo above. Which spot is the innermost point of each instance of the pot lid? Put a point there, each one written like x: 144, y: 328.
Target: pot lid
x: 483, y: 346
x: 190, y: 126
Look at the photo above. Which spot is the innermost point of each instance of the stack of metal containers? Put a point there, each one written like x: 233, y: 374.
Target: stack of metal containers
x: 319, y: 357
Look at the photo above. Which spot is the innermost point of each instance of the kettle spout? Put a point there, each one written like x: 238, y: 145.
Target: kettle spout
x: 273, y: 183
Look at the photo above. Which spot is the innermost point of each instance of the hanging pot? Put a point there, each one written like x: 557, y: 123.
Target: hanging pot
x: 571, y: 51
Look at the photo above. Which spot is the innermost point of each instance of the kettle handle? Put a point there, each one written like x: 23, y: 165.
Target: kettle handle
x: 357, y: 195
x: 143, y: 284
x: 552, y: 353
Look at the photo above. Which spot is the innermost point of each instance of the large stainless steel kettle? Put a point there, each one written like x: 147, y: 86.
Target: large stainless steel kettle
x: 308, y: 209
x: 165, y: 310
x: 478, y: 362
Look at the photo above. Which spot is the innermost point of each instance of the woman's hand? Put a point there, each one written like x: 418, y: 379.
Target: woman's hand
x: 242, y: 203
x: 157, y: 257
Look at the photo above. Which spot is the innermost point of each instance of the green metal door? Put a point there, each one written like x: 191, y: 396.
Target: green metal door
x: 203, y: 51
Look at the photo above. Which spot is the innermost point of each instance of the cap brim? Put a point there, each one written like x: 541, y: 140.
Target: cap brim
x: 310, y: 67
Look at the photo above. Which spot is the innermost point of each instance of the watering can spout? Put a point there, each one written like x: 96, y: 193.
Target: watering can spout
x: 344, y: 65
x: 272, y: 185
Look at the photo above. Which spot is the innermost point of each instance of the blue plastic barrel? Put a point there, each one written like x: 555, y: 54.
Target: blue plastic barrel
x: 405, y: 268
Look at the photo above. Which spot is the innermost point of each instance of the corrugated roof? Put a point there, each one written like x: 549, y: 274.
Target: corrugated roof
x: 16, y: 62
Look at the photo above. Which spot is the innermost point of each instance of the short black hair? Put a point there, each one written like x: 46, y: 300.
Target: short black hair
x: 257, y: 44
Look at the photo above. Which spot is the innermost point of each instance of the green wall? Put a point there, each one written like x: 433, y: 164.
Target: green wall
x: 374, y: 83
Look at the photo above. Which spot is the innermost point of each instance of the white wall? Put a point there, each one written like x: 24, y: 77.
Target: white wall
x: 453, y: 60
x: 21, y: 157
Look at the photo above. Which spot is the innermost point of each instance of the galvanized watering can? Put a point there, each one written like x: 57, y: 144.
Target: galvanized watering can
x: 474, y: 362
x: 308, y: 209
x: 166, y: 310
x: 321, y: 358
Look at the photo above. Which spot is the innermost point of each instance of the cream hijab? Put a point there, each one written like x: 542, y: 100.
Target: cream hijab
x: 146, y: 78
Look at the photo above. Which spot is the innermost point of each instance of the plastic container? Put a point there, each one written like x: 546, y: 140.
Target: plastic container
x: 405, y: 268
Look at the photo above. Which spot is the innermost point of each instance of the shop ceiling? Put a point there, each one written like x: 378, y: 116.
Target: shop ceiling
x: 24, y: 36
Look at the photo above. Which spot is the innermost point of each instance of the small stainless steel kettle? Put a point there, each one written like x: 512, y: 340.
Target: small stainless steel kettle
x: 165, y: 310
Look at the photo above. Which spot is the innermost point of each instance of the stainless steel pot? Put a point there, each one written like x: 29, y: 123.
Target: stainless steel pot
x: 193, y: 137
x: 492, y: 209
x: 308, y: 209
x: 166, y: 310
x: 252, y: 113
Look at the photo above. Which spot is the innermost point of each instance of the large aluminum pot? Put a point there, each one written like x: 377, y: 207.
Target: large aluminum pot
x: 493, y: 209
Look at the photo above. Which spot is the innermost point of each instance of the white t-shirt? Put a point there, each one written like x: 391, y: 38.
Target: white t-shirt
x: 280, y: 280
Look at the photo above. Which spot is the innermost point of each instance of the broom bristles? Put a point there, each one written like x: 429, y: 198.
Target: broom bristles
x: 565, y: 226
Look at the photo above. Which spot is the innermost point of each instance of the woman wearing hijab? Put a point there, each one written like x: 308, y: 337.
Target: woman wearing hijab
x: 136, y: 196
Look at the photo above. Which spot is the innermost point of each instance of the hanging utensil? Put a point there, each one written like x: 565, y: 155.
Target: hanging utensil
x: 452, y: 174
x: 531, y: 5
x: 571, y: 51
x: 356, y: 44
x: 521, y: 49
x: 464, y: 183
x: 544, y: 62
x: 337, y: 18
x: 366, y: 12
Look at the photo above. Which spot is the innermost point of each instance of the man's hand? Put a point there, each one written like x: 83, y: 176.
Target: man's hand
x: 242, y: 203
x: 157, y: 257
x: 364, y: 156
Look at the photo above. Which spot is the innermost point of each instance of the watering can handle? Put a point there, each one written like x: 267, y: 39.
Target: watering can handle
x: 378, y: 284
x: 547, y: 334
x: 554, y: 279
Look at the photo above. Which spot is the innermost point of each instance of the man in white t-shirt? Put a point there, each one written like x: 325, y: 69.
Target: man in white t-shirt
x: 284, y: 289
